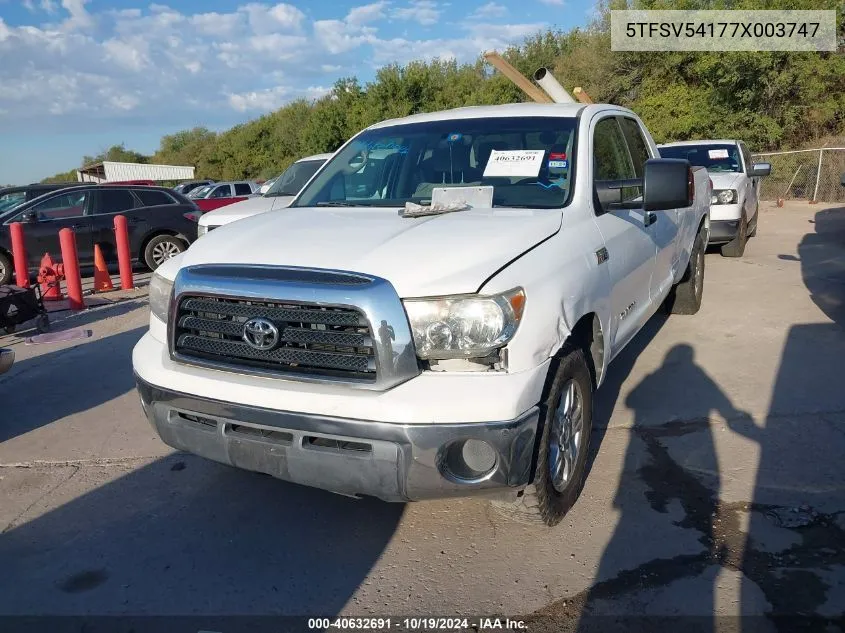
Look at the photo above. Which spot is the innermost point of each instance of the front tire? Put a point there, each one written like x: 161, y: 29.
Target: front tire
x: 566, y: 418
x: 736, y: 247
x: 161, y: 248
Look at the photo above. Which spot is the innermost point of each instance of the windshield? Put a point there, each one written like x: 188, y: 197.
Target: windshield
x: 716, y: 158
x: 527, y: 161
x: 199, y: 192
x: 294, y: 178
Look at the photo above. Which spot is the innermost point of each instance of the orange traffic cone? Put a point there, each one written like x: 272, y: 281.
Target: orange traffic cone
x: 102, y: 279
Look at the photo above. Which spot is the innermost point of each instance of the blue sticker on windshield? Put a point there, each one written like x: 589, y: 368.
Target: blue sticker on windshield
x: 560, y: 183
x: 454, y: 137
x: 558, y: 164
x: 381, y: 145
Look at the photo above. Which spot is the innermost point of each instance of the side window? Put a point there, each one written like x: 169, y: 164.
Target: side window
x: 67, y: 205
x: 223, y: 191
x: 113, y: 201
x: 611, y: 160
x: 242, y: 189
x: 153, y: 198
x: 636, y: 144
x: 746, y: 157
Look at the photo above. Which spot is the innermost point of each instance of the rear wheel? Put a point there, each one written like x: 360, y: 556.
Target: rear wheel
x: 567, y: 421
x: 160, y: 249
x: 5, y: 269
x: 685, y: 296
x: 736, y: 247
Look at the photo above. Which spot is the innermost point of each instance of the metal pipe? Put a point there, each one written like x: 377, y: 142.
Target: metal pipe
x: 818, y: 177
x: 519, y: 80
x: 544, y: 77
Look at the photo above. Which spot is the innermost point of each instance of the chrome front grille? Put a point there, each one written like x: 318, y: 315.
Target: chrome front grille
x: 312, y: 340
x: 325, y: 325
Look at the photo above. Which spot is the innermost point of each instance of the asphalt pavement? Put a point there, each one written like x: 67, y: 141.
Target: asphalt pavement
x: 716, y: 485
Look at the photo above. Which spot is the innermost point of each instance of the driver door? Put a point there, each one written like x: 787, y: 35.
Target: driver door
x: 68, y: 210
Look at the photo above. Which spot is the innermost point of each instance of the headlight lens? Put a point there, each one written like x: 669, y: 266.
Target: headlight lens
x: 160, y: 289
x: 464, y: 326
x: 723, y: 196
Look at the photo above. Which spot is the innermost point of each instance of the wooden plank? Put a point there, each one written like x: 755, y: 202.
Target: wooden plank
x: 521, y: 81
x: 582, y: 96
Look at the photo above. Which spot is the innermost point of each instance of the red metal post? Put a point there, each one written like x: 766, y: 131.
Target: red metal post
x: 19, y: 255
x: 124, y: 254
x: 67, y: 240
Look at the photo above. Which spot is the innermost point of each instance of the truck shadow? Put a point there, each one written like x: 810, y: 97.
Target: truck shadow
x: 183, y: 535
x: 43, y: 389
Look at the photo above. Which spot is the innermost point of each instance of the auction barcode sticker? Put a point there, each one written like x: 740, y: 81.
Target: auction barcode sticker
x: 524, y: 163
x: 727, y: 30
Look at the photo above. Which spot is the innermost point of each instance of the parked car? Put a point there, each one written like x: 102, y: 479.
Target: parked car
x: 11, y: 197
x: 186, y: 187
x: 221, y: 194
x: 162, y: 223
x: 351, y: 345
x: 735, y: 202
x: 280, y: 195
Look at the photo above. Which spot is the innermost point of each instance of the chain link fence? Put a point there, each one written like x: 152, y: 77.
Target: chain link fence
x: 804, y: 174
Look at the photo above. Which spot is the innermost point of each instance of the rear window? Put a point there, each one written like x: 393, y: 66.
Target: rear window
x: 153, y: 198
x: 114, y: 201
x: 242, y: 189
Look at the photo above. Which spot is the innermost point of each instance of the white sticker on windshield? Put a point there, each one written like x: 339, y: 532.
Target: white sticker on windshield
x: 523, y: 163
x: 717, y: 153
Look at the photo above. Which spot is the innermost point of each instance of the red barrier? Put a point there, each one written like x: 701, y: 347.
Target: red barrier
x: 19, y: 255
x: 70, y: 259
x: 124, y: 253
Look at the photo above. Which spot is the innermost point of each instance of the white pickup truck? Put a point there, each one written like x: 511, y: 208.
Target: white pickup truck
x: 432, y: 315
x: 735, y: 202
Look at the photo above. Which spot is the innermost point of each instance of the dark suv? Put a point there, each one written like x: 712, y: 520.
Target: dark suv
x: 162, y: 223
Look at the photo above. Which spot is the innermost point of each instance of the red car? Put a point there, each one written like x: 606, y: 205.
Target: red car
x: 220, y: 194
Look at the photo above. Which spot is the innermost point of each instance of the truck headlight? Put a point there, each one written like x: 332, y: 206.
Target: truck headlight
x: 159, y: 296
x: 466, y: 326
x: 723, y: 196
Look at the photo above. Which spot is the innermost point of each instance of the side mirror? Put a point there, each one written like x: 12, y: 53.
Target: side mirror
x: 29, y: 217
x: 667, y: 184
x: 760, y: 169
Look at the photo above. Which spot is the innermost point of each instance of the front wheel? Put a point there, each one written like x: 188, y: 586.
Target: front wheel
x: 160, y: 249
x: 736, y: 247
x: 566, y: 419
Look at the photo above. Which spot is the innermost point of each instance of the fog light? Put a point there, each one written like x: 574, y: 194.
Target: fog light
x: 468, y: 460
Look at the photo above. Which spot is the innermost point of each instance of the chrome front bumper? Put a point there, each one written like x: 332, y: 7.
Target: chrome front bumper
x: 391, y: 461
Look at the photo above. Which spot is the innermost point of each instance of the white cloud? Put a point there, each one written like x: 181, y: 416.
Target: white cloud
x: 554, y: 3
x: 85, y: 67
x: 79, y: 17
x: 489, y: 10
x: 366, y: 13
x: 49, y: 6
x: 424, y: 12
x: 29, y: 5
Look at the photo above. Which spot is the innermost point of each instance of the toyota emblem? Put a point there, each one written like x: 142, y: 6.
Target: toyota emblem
x: 260, y: 334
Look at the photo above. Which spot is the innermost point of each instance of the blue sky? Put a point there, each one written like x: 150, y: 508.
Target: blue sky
x: 80, y: 75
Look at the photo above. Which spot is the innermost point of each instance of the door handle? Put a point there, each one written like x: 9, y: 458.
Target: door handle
x: 649, y: 218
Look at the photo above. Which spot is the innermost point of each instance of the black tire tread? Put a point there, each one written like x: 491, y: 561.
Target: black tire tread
x: 539, y: 503
x: 7, y: 264
x: 736, y: 247
x: 682, y: 298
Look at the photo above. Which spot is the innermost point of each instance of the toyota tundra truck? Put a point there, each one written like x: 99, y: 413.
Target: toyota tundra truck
x: 433, y: 314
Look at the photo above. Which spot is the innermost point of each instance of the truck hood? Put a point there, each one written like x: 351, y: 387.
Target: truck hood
x: 725, y: 180
x: 244, y: 209
x: 435, y: 255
